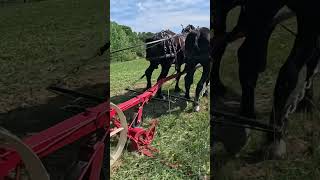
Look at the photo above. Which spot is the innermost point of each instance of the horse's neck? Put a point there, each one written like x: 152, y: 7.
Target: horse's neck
x: 181, y: 43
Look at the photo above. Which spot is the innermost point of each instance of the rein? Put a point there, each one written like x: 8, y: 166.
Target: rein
x: 148, y: 43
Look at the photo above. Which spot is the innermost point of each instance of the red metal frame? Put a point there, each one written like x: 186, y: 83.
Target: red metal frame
x: 58, y: 136
x: 141, y: 138
x: 82, y: 125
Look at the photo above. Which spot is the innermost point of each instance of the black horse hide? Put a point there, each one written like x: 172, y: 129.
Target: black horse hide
x: 163, y: 50
x: 197, y: 44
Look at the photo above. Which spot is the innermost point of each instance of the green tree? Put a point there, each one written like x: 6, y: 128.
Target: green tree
x: 122, y: 37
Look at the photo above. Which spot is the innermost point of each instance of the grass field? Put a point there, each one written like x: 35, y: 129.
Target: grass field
x: 182, y: 135
x: 41, y: 41
x: 303, y: 141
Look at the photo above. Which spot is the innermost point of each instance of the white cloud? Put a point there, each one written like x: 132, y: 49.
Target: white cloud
x: 140, y: 6
x: 155, y: 15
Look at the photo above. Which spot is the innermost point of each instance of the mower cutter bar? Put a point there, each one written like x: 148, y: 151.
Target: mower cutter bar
x: 169, y: 96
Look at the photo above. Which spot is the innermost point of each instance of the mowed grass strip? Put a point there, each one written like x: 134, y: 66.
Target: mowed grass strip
x: 182, y: 136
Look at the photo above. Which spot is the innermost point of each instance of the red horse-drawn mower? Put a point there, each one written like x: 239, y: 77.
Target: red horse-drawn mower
x: 94, y: 126
x: 99, y: 124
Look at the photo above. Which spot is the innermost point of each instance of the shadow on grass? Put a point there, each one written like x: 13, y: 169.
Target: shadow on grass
x: 155, y: 108
x: 36, y: 118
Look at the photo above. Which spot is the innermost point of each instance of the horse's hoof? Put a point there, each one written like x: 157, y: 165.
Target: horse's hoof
x: 197, y: 108
x: 187, y: 96
x: 234, y: 139
x: 248, y: 131
x: 277, y: 150
x: 147, y: 88
x: 280, y: 149
x: 177, y: 90
x: 304, y: 106
x: 160, y: 96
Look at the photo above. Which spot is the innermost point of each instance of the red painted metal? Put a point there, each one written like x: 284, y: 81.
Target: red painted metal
x: 93, y: 168
x: 141, y: 138
x: 56, y: 137
x: 82, y: 125
x: 144, y: 97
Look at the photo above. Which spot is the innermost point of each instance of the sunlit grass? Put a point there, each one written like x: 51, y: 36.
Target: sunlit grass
x: 182, y: 136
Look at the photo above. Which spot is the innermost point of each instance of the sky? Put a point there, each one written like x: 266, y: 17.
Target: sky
x: 157, y: 15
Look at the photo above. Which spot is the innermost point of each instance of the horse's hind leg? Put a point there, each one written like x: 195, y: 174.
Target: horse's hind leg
x: 177, y: 88
x: 248, y: 74
x: 153, y: 65
x: 284, y: 99
x: 200, y: 86
x: 190, y: 69
x: 305, y: 104
x: 218, y: 44
x: 252, y: 55
x: 217, y: 86
x: 165, y: 67
x: 207, y: 86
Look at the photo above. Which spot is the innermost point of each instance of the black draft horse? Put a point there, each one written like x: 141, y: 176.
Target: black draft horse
x: 166, y: 53
x: 221, y: 39
x: 252, y: 60
x: 197, y: 52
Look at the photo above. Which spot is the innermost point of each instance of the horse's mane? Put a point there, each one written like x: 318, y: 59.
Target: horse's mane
x: 163, y: 34
x: 188, y: 28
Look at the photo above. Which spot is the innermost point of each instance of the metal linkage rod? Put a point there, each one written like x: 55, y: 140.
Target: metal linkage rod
x: 154, y: 98
x: 240, y: 121
x: 239, y: 125
x: 75, y: 93
x: 144, y: 44
x: 170, y: 96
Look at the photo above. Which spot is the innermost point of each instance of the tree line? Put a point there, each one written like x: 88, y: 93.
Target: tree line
x: 122, y: 36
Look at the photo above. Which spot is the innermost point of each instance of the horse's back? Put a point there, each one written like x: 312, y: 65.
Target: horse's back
x: 169, y: 45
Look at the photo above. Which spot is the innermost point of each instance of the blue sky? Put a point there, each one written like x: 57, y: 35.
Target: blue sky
x: 156, y: 15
